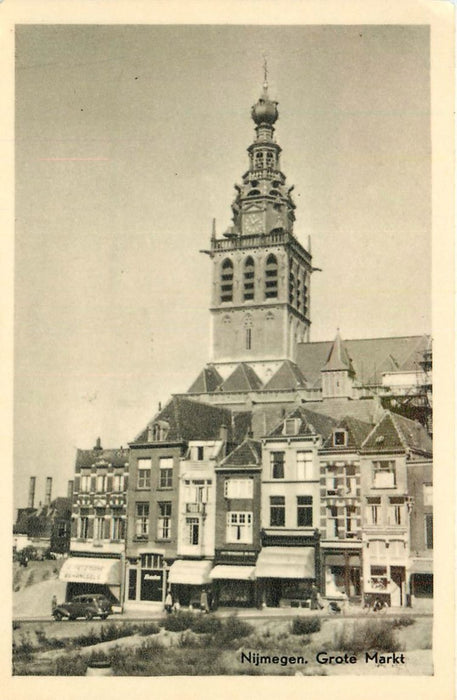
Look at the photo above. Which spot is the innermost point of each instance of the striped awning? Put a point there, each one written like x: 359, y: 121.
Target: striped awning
x: 91, y: 570
x: 286, y: 562
x: 236, y: 573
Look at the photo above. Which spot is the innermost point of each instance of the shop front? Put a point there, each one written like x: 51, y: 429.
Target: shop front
x: 188, y: 579
x: 286, y: 576
x: 421, y: 583
x: 147, y: 579
x: 93, y: 575
x: 234, y: 586
x: 342, y: 574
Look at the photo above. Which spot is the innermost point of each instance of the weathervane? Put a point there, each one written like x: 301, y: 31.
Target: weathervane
x: 265, y: 73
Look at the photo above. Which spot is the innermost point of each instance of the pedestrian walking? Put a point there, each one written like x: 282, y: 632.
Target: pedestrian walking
x: 204, y: 601
x: 168, y: 603
x: 53, y: 603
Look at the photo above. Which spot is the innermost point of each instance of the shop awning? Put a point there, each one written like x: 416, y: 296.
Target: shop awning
x: 190, y: 572
x: 88, y: 570
x: 237, y: 573
x: 422, y: 566
x: 286, y: 562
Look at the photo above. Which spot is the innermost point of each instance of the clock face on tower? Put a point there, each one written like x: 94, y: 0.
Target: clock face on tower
x: 253, y: 223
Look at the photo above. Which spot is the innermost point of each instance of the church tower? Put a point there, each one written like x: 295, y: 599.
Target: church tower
x: 261, y: 273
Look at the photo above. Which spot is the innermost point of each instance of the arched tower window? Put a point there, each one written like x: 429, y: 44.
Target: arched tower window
x: 271, y: 278
x: 258, y: 160
x: 248, y: 331
x: 291, y: 288
x: 227, y: 280
x: 248, y: 279
x: 305, y: 294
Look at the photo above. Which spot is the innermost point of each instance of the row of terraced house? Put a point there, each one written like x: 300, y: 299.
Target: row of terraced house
x: 288, y: 464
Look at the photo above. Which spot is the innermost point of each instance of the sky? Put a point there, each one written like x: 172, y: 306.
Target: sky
x: 129, y: 140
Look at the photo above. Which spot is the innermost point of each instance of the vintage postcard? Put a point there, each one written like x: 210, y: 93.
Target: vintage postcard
x: 232, y: 349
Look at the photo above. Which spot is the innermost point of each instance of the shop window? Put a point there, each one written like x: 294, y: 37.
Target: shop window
x: 85, y: 483
x: 100, y: 483
x: 192, y: 531
x: 248, y: 279
x: 118, y: 483
x: 83, y: 528
x: 384, y: 476
x: 238, y: 488
x: 117, y: 528
x: 144, y: 474
x: 132, y: 584
x: 277, y: 465
x: 429, y: 531
x: 142, y: 520
x: 164, y: 521
x: 378, y: 578
x: 304, y: 511
x: 271, y: 277
x: 304, y: 466
x: 239, y: 527
x: 340, y: 438
x: 277, y: 511
x: 227, y: 281
x: 428, y: 494
x: 396, y: 511
x: 165, y: 472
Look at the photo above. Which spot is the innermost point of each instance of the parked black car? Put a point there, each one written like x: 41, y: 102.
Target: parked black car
x: 87, y: 606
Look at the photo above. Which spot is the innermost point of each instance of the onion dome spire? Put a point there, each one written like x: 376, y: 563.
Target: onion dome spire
x: 265, y: 111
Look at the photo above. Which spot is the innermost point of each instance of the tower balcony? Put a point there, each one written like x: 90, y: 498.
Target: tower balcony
x: 259, y: 240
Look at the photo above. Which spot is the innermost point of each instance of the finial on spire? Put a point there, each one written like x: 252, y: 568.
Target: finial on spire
x: 265, y: 73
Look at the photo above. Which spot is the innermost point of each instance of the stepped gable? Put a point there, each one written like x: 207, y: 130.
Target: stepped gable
x: 357, y: 431
x: 116, y: 457
x: 338, y: 358
x: 243, y: 378
x: 186, y: 419
x: 394, y: 432
x: 370, y: 357
x: 366, y: 410
x: 248, y: 454
x: 207, y: 381
x: 287, y: 376
x: 311, y: 423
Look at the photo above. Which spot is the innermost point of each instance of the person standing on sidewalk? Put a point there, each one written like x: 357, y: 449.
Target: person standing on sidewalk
x: 53, y: 602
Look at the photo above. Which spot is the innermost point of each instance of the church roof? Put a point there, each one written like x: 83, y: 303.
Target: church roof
x: 394, y: 432
x: 287, y: 376
x: 243, y: 378
x: 370, y: 357
x: 248, y: 454
x: 338, y: 357
x: 208, y: 380
x: 311, y: 423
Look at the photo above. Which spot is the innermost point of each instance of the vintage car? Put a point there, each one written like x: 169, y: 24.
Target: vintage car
x: 87, y: 606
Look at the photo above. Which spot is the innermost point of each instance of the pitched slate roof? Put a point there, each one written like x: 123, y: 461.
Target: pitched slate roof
x: 311, y: 423
x: 357, y: 431
x: 208, y: 380
x: 370, y: 357
x: 394, y: 432
x: 243, y: 378
x: 248, y: 454
x: 366, y: 410
x: 338, y: 357
x: 190, y: 420
x: 116, y: 457
x: 287, y: 376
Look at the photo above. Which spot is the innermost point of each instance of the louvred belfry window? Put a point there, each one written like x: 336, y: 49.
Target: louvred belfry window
x: 271, y: 278
x: 227, y: 280
x: 249, y: 271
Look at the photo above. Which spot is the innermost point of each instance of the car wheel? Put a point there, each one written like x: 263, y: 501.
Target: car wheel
x: 89, y: 615
x: 71, y: 618
x: 104, y: 616
x: 58, y: 616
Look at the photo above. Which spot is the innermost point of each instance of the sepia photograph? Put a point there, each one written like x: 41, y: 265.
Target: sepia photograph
x: 223, y: 350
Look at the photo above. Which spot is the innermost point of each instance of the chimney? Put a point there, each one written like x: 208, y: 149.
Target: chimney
x: 223, y: 433
x: 70, y: 489
x: 32, y: 491
x: 98, y: 444
x: 160, y: 406
x: 48, y: 491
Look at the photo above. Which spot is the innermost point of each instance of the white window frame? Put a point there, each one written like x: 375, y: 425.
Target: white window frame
x: 85, y: 483
x: 100, y: 483
x: 83, y: 527
x: 164, y: 521
x: 275, y: 464
x: 166, y: 470
x: 381, y: 470
x: 99, y: 527
x: 117, y: 528
x: 191, y: 523
x: 118, y: 483
x: 304, y: 465
x: 142, y: 519
x: 239, y: 488
x: 239, y: 527
x: 428, y: 494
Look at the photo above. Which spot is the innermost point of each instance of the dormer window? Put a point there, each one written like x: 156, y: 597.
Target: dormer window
x: 340, y: 438
x: 291, y: 426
